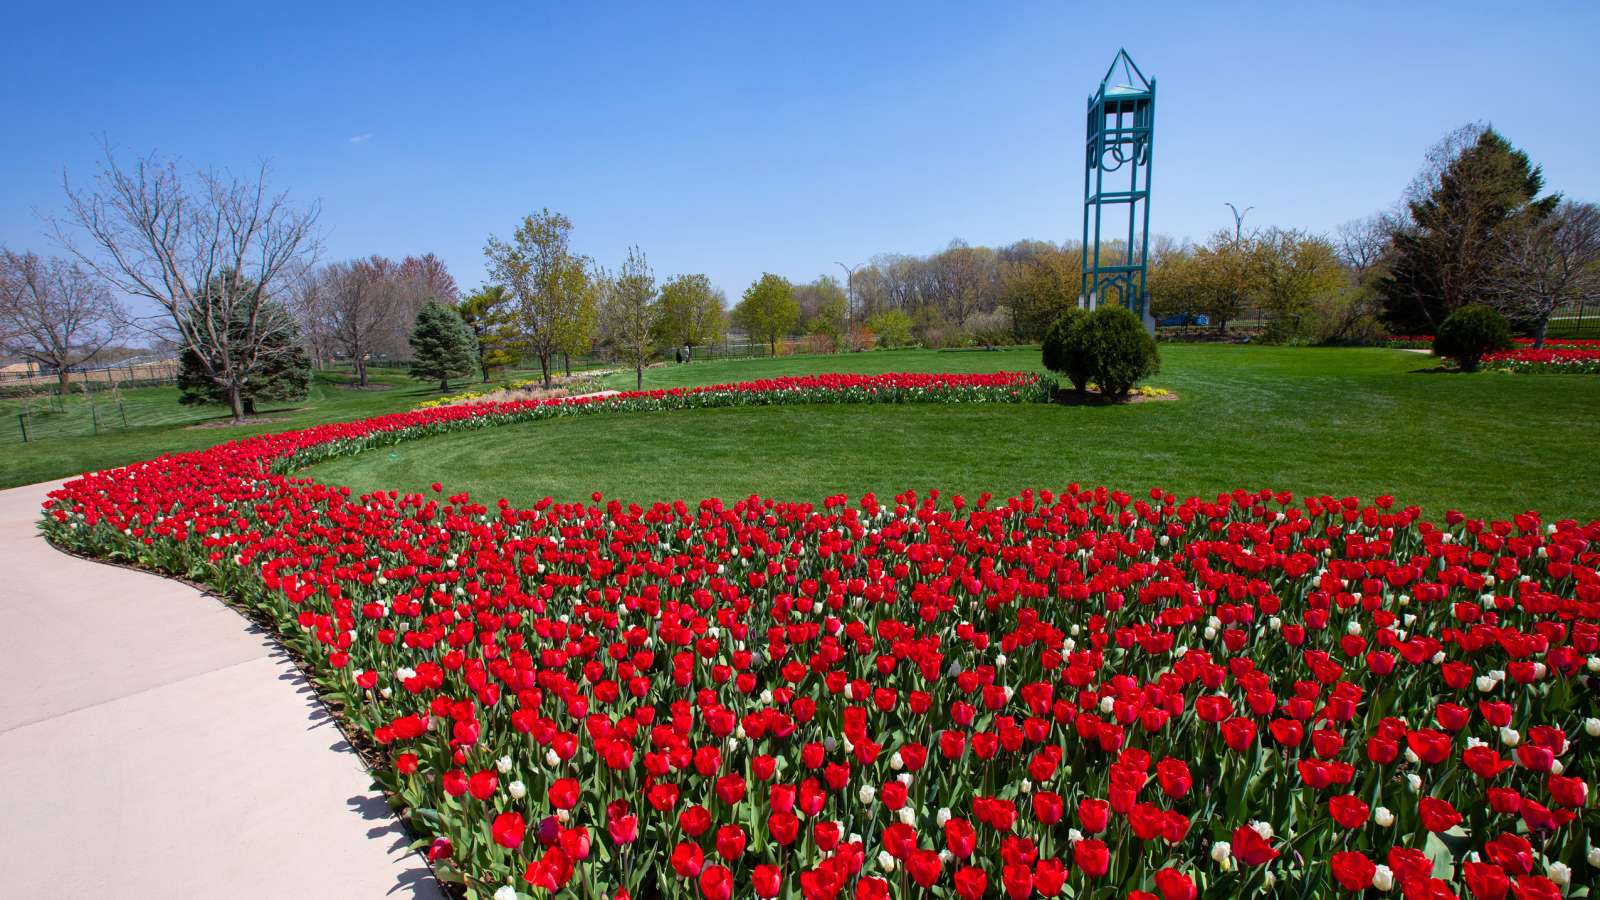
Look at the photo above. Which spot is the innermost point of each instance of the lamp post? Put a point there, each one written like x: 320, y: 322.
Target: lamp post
x: 1238, y: 220
x: 849, y: 297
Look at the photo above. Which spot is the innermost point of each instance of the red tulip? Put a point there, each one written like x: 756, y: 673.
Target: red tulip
x: 971, y: 882
x: 1093, y: 815
x: 716, y: 883
x: 1175, y: 885
x: 687, y: 859
x: 564, y: 793
x: 730, y: 842
x: 766, y: 880
x: 624, y: 829
x: 1485, y: 881
x: 1092, y: 857
x: 1049, y: 874
x: 1250, y: 848
x: 1048, y: 807
x: 1353, y: 870
x: 482, y: 784
x: 924, y: 867
x: 784, y: 827
x: 1348, y: 810
x: 1437, y: 815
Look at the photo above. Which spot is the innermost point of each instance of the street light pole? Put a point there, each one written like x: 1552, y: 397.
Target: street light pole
x: 849, y: 297
x: 1238, y: 220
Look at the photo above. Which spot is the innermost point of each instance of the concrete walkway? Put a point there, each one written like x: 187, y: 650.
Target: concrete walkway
x: 153, y: 743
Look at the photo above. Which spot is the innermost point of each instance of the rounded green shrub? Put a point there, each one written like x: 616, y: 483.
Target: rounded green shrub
x: 1117, y: 351
x: 1063, y: 350
x: 1469, y: 333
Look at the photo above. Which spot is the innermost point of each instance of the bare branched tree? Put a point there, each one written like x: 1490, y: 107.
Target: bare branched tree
x: 54, y: 312
x: 1547, y: 264
x: 1361, y: 244
x: 207, y: 248
x: 1436, y: 161
x: 362, y: 301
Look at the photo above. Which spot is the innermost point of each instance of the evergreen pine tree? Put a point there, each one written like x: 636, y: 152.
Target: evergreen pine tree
x: 442, y: 346
x: 1443, y: 259
x: 283, y: 373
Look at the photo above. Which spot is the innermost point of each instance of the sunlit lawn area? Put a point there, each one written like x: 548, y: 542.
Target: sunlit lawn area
x: 65, y: 443
x: 1340, y: 421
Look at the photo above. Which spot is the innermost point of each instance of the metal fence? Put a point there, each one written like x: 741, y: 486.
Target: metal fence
x: 88, y: 409
x: 1578, y: 321
x: 141, y: 371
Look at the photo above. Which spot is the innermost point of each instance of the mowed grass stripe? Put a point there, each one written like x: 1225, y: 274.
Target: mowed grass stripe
x: 1340, y: 421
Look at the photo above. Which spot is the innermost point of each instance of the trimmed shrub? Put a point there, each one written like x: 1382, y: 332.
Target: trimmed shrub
x: 1063, y: 350
x: 1118, y: 351
x: 1469, y: 333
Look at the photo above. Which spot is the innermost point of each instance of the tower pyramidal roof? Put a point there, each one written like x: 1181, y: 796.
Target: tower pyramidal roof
x: 1124, y: 78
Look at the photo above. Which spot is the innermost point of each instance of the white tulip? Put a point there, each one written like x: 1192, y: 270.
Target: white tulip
x: 505, y: 892
x: 517, y: 790
x: 1509, y: 736
x: 867, y: 794
x: 943, y: 816
x: 1383, y: 817
x: 503, y: 764
x: 1591, y: 727
x: 1560, y: 873
x: 885, y: 861
x: 1221, y: 851
x: 1383, y: 878
x: 1263, y: 829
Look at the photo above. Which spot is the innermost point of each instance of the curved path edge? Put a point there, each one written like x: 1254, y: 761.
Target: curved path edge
x: 154, y: 743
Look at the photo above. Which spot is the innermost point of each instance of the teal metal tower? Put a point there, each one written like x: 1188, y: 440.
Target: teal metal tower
x: 1116, y: 190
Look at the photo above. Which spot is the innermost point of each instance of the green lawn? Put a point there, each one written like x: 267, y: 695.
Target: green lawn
x: 64, y: 443
x: 1339, y: 421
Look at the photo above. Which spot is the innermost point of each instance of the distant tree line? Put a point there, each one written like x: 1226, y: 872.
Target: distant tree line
x: 229, y: 264
x: 1473, y: 228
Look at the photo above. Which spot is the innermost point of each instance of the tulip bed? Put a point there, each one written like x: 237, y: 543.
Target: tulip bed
x: 1075, y: 693
x: 1551, y: 360
x: 1425, y: 342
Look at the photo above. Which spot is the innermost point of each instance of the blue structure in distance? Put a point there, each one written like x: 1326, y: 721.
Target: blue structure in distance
x: 1116, y: 190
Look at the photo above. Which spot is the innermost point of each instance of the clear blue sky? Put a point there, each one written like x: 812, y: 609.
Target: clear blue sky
x: 759, y: 136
